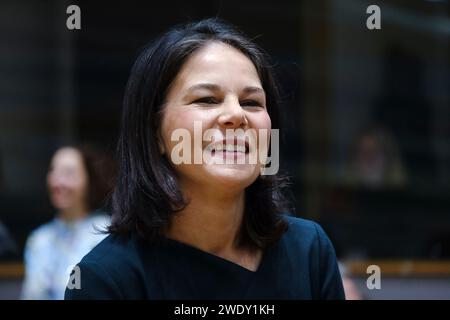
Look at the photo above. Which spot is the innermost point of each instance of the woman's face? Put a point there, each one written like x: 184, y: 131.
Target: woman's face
x: 67, y: 180
x: 219, y: 87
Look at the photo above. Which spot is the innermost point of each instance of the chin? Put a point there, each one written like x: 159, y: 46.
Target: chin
x: 232, y: 176
x: 60, y: 205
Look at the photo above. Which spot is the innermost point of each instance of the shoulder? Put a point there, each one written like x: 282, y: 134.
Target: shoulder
x: 99, y: 220
x: 306, y: 231
x: 42, y: 235
x: 300, y: 223
x: 112, y: 253
x: 94, y: 228
x: 111, y: 270
x: 306, y: 240
x: 308, y: 237
x: 96, y: 224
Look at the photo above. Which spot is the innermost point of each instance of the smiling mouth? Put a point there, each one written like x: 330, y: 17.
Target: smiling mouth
x: 236, y: 148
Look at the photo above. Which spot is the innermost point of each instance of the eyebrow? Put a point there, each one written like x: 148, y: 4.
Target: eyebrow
x: 215, y: 87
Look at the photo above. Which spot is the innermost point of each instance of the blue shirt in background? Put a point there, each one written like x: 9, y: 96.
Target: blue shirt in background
x: 53, y: 249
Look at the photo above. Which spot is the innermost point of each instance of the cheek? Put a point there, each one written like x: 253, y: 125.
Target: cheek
x: 169, y: 126
x: 182, y: 120
x: 79, y: 188
x: 261, y: 121
x: 266, y: 122
x: 55, y: 181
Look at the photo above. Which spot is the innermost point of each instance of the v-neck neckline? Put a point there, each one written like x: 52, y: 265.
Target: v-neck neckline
x: 232, y: 264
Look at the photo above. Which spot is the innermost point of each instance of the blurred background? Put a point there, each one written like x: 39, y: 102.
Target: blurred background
x: 367, y: 118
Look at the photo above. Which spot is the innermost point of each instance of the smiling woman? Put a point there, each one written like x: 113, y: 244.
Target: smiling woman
x: 77, y: 187
x: 203, y: 230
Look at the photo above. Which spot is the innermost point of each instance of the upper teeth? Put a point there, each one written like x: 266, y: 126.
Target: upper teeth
x: 230, y: 147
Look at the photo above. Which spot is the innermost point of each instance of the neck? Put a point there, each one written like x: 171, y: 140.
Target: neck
x: 73, y: 214
x: 211, y: 221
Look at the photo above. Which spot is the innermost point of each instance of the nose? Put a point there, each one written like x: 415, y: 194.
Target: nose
x: 56, y: 179
x: 232, y: 115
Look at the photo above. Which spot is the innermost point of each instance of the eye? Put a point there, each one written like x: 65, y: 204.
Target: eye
x: 251, y: 103
x: 206, y: 100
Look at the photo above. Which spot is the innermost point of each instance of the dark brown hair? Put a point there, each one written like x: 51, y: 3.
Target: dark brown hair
x: 101, y: 170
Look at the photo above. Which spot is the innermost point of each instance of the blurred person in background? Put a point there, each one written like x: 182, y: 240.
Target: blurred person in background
x: 78, y: 181
x: 376, y: 161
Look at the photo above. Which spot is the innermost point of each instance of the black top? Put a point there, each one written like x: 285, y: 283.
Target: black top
x: 300, y: 265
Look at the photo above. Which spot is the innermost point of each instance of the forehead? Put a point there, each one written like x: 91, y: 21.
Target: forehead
x: 67, y: 157
x: 220, y: 64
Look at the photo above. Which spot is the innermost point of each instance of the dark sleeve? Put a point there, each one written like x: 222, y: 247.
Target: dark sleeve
x: 330, y: 278
x: 89, y: 281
